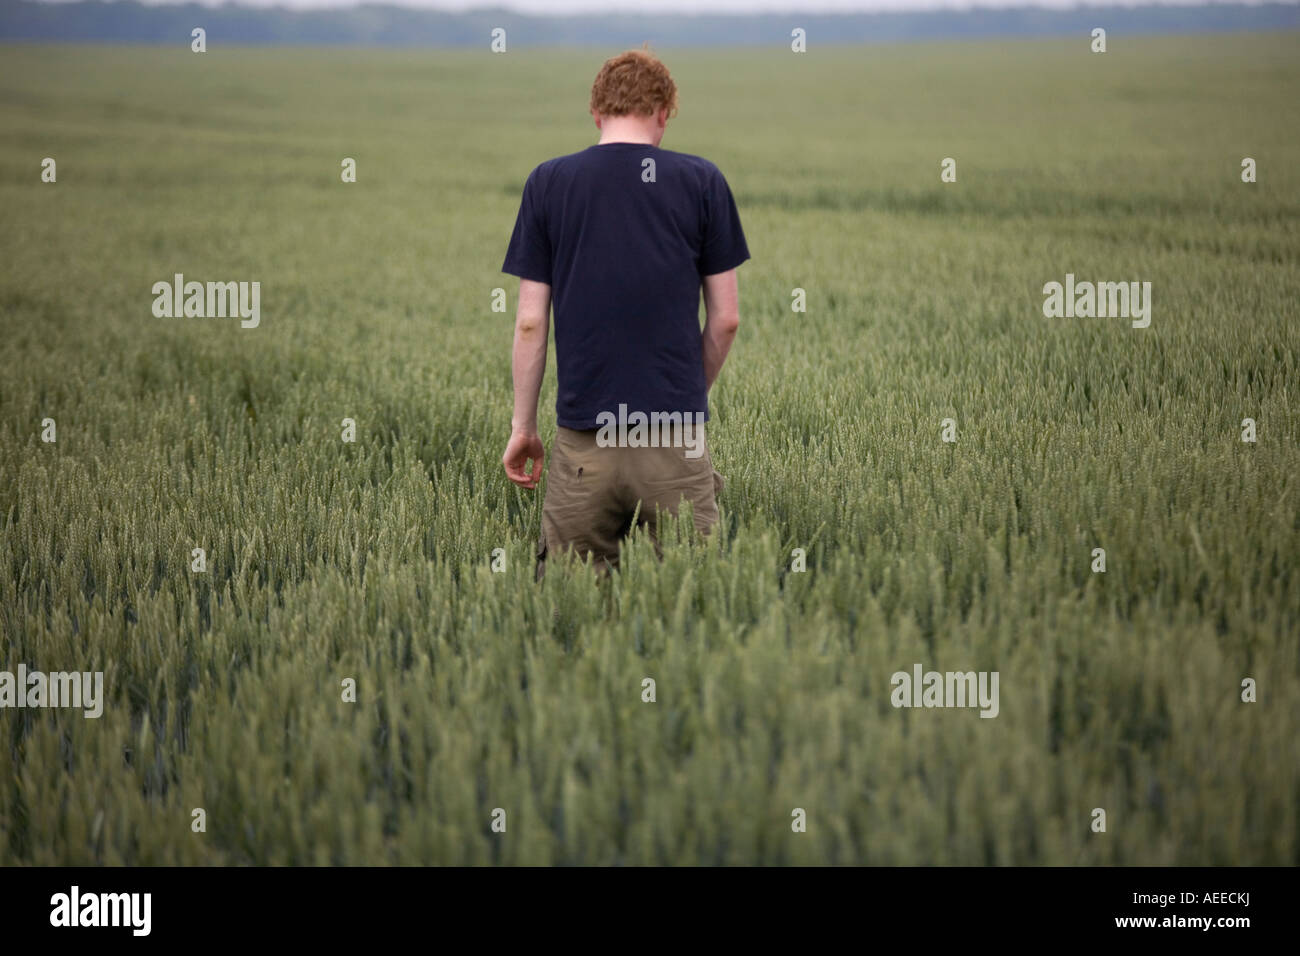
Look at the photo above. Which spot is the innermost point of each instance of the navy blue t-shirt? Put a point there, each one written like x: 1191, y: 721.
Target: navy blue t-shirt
x: 624, y: 259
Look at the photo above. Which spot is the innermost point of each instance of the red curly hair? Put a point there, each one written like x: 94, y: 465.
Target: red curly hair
x: 634, y: 82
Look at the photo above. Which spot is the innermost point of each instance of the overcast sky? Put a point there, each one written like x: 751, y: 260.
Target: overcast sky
x: 709, y: 6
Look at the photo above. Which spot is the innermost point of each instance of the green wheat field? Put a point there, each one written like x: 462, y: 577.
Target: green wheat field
x: 478, y: 691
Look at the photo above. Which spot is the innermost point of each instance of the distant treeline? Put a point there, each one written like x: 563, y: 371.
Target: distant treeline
x: 131, y: 22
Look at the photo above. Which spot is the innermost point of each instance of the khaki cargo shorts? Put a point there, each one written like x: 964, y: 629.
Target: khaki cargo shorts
x: 593, y: 492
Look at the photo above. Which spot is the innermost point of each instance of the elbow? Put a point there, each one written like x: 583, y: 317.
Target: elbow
x: 727, y: 325
x: 529, y: 326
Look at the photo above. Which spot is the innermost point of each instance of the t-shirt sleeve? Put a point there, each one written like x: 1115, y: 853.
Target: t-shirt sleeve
x: 724, y: 241
x: 529, y: 253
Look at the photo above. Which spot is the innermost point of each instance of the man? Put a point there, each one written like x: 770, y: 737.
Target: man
x: 623, y: 235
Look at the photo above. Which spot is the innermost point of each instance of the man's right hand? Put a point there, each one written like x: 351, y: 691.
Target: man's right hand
x: 523, y: 446
x: 721, y: 319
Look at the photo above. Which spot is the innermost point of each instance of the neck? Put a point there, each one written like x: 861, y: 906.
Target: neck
x: 628, y: 129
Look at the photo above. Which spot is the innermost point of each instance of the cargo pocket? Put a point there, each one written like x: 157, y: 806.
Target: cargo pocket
x: 718, y: 483
x: 541, y: 557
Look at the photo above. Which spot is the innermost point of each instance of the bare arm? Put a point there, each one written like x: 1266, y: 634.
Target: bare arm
x: 721, y: 319
x: 528, y: 364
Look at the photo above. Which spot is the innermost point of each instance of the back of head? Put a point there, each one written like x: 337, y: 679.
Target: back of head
x: 634, y: 83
